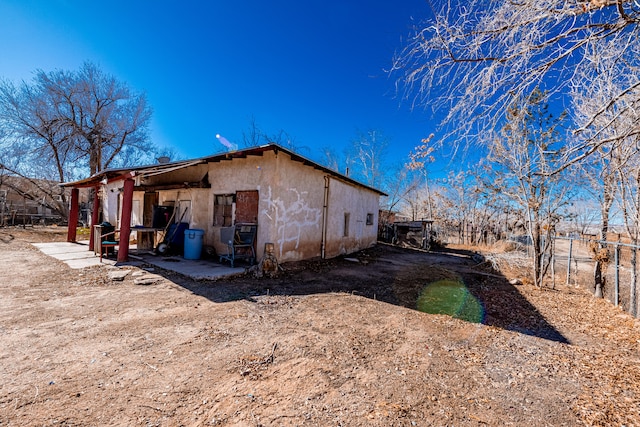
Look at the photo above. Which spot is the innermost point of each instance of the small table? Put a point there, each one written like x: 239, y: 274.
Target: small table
x: 146, y: 237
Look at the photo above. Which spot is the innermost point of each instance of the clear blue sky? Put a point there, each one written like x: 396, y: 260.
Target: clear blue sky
x: 315, y: 69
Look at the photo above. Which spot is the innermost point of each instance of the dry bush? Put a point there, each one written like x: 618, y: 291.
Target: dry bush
x: 503, y: 246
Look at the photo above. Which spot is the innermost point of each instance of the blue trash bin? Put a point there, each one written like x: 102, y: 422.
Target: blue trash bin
x: 193, y: 243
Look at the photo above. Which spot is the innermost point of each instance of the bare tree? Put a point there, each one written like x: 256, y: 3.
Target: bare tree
x: 67, y: 124
x: 613, y: 128
x: 398, y: 184
x: 36, y: 145
x: 255, y: 136
x: 104, y: 115
x: 583, y: 214
x: 331, y: 158
x: 629, y: 182
x: 363, y: 159
x: 419, y: 159
x: 456, y: 202
x: 80, y: 117
x: 252, y: 136
x: 369, y: 150
x: 473, y: 57
x: 523, y: 152
x: 600, y: 173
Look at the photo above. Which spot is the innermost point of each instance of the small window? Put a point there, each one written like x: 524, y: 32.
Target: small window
x: 347, y: 216
x: 369, y: 219
x: 223, y: 210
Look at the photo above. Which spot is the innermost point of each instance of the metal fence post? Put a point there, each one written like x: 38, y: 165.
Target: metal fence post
x: 569, y: 260
x: 633, y: 308
x: 617, y: 287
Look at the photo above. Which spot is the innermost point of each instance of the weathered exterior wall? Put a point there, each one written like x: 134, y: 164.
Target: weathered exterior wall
x: 112, y: 204
x: 291, y: 210
x: 291, y: 204
x: 356, y: 203
x: 110, y: 195
x: 228, y: 177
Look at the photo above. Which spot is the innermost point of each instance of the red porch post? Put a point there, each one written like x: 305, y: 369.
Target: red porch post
x: 95, y: 214
x: 125, y: 220
x: 73, y: 215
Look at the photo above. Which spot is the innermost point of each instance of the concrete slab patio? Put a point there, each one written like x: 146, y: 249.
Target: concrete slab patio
x: 201, y: 269
x: 78, y: 255
x: 75, y: 255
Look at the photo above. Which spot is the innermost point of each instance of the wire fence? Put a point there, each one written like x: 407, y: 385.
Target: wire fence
x: 573, y: 258
x: 618, y: 259
x: 573, y: 261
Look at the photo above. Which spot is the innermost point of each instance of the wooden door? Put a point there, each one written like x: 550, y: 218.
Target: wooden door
x: 247, y: 206
x: 146, y: 240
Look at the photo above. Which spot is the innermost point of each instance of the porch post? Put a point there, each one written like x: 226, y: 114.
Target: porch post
x: 125, y: 220
x: 73, y: 216
x: 95, y: 215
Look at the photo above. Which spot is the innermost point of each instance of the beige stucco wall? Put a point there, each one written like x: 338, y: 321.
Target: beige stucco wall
x: 112, y: 204
x: 110, y: 195
x: 290, y: 202
x: 346, y: 198
x: 290, y: 209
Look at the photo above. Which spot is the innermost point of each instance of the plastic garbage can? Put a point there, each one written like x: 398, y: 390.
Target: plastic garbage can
x: 193, y: 238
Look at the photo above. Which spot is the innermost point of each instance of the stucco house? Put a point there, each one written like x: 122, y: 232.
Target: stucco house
x: 303, y: 208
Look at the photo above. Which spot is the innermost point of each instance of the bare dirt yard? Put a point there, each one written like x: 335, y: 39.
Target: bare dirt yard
x: 326, y: 343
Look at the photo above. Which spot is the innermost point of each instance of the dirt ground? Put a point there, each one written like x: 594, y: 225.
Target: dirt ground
x: 326, y: 343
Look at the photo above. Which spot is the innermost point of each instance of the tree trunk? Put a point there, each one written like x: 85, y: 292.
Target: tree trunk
x: 95, y: 154
x: 599, y: 274
x: 538, y: 253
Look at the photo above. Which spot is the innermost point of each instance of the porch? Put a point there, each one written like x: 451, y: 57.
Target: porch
x: 78, y: 256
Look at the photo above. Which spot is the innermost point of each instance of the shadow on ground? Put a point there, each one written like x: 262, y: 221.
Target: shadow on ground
x: 393, y: 275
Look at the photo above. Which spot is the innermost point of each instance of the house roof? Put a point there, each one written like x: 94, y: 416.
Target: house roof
x: 109, y: 175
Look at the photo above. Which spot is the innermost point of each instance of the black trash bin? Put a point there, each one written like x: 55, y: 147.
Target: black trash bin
x: 161, y: 216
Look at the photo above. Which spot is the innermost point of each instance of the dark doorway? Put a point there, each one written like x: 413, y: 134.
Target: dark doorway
x: 145, y: 240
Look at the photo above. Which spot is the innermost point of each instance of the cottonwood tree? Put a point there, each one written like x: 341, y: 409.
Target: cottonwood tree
x: 473, y: 57
x: 104, y: 114
x: 35, y: 145
x: 600, y: 174
x: 522, y: 153
x: 615, y: 128
x: 458, y: 201
x: 67, y: 124
x: 629, y: 192
x: 83, y: 119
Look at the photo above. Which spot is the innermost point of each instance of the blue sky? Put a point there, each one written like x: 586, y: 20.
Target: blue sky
x: 315, y: 69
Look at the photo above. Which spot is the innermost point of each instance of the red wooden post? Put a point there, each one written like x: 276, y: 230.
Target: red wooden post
x: 95, y: 214
x: 73, y: 215
x: 125, y: 220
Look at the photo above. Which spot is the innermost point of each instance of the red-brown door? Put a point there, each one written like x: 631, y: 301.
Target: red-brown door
x: 247, y: 206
